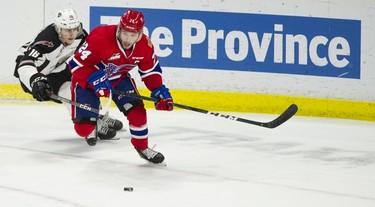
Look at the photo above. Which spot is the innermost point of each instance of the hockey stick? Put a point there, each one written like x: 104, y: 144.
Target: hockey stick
x: 287, y: 114
x: 84, y: 106
x: 88, y: 108
x: 79, y: 105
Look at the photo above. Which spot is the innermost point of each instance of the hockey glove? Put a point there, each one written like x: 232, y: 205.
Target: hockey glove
x: 102, y: 86
x: 164, y: 99
x: 40, y: 87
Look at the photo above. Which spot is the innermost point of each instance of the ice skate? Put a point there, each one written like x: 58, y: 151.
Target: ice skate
x: 104, y: 131
x: 91, y: 141
x: 111, y: 123
x: 151, y: 155
x: 92, y: 138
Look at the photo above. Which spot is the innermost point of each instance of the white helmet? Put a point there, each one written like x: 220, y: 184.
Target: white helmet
x: 66, y: 19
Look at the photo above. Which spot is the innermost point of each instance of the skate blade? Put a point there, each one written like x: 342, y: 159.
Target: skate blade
x: 158, y: 165
x: 112, y: 139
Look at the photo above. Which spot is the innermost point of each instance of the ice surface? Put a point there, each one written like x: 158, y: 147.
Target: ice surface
x: 210, y: 162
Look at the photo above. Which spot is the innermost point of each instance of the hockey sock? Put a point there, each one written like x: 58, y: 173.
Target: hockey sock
x: 138, y: 127
x: 84, y: 129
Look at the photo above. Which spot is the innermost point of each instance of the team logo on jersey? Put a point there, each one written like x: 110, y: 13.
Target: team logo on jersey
x: 115, y: 56
x: 112, y: 69
x: 45, y: 43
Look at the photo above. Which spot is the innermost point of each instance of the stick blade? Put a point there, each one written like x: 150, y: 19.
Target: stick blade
x: 288, y: 113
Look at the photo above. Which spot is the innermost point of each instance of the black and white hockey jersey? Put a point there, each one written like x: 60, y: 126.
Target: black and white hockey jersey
x: 46, y: 54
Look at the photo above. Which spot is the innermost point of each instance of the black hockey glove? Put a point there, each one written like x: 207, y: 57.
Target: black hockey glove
x: 40, y: 87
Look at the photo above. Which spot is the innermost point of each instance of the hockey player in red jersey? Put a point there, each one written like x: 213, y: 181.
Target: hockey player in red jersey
x: 102, y: 64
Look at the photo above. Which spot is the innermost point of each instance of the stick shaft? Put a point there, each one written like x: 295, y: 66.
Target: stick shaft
x: 287, y: 114
x: 79, y: 105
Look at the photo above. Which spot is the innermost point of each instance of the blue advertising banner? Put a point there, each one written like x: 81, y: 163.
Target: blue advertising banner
x: 249, y: 42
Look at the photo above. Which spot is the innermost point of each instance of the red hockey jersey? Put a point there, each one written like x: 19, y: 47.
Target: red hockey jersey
x: 103, y: 51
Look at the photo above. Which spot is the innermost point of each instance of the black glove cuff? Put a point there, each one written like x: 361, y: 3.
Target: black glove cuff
x: 37, y: 77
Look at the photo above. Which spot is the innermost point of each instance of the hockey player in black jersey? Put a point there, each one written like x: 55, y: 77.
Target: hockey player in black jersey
x: 42, y: 68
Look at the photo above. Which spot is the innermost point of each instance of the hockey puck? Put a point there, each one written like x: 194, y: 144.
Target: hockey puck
x: 130, y: 189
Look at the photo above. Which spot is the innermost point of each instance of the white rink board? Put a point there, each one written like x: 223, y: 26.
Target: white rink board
x: 237, y: 81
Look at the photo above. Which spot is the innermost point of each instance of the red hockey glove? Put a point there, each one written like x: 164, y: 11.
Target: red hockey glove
x: 102, y: 86
x: 164, y: 99
x: 164, y: 105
